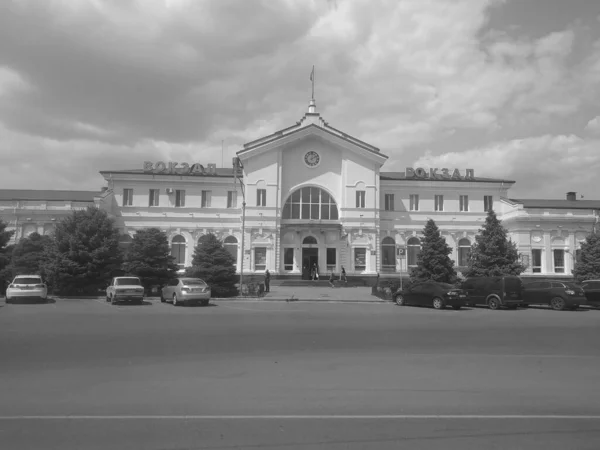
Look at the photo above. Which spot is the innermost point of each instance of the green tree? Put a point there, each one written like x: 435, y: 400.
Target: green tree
x: 149, y: 258
x: 215, y: 265
x: 433, y: 261
x: 83, y: 254
x: 5, y: 253
x: 28, y: 254
x: 588, y: 266
x: 493, y: 253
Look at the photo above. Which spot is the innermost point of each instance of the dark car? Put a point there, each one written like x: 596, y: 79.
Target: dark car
x: 494, y: 292
x: 431, y: 293
x: 592, y: 292
x: 559, y: 295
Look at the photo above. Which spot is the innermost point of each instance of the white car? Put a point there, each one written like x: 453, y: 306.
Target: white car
x: 27, y: 287
x: 125, y: 289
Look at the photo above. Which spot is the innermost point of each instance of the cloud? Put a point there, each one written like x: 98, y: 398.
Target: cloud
x: 593, y: 126
x: 539, y: 164
x: 97, y: 85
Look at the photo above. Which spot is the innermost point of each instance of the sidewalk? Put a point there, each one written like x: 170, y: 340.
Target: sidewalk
x: 315, y: 294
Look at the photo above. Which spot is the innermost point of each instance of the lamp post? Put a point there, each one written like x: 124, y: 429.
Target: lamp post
x: 237, y: 167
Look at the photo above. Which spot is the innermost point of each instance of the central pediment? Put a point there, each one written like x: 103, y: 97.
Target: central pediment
x: 311, y: 125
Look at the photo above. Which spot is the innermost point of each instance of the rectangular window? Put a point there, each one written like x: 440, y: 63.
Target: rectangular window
x: 389, y: 202
x: 260, y: 258
x: 488, y: 204
x: 360, y: 199
x: 153, y: 198
x: 261, y: 197
x: 360, y: 259
x: 414, y: 202
x: 288, y: 259
x: 464, y: 202
x: 331, y: 260
x: 206, y: 196
x: 559, y: 261
x: 536, y: 260
x: 232, y: 199
x: 127, y: 197
x: 439, y: 202
x: 179, y: 198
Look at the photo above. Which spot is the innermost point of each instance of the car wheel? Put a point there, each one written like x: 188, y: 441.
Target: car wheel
x: 493, y: 303
x: 400, y: 300
x: 8, y: 300
x: 162, y: 298
x: 113, y: 301
x: 557, y: 304
x: 175, y: 302
x: 438, y: 303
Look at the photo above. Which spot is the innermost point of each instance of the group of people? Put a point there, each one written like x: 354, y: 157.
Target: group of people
x: 314, y: 275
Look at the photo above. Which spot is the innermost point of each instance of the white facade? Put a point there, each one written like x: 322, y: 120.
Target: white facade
x: 315, y: 195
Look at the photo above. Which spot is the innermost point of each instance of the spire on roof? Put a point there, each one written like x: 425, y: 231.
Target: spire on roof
x: 312, y: 107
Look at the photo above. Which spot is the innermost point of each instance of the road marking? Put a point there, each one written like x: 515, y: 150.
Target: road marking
x: 311, y: 417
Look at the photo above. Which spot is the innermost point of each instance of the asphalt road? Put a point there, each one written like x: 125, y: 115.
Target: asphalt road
x: 83, y: 374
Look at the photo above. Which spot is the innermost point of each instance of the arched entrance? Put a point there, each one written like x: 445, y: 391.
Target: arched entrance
x: 310, y: 256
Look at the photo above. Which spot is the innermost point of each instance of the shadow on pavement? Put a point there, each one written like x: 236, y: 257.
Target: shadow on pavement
x: 29, y: 301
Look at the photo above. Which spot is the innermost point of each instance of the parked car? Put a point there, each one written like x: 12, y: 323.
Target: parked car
x: 186, y: 291
x: 494, y: 292
x: 592, y: 292
x: 431, y: 293
x: 27, y: 287
x: 127, y: 289
x: 559, y: 295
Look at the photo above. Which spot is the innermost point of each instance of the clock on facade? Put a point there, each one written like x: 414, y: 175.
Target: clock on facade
x: 312, y: 158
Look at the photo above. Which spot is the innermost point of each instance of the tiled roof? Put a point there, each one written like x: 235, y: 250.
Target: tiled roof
x: 219, y: 172
x: 30, y: 194
x: 392, y: 176
x: 558, y: 204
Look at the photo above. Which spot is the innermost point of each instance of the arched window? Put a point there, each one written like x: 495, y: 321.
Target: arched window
x: 309, y: 240
x: 464, y: 249
x: 413, y: 249
x: 178, y: 250
x: 388, y: 254
x: 231, y: 245
x: 310, y: 203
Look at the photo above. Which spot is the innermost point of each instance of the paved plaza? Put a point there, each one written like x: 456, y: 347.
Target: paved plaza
x: 84, y: 374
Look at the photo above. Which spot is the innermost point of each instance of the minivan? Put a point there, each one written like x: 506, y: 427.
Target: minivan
x: 494, y: 292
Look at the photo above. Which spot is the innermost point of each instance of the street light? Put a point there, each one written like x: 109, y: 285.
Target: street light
x: 237, y: 168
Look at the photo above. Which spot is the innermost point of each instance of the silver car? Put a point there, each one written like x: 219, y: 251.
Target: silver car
x: 27, y: 287
x: 186, y: 291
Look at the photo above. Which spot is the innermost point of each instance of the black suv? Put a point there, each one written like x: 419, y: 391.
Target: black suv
x: 592, y: 292
x: 494, y: 292
x: 431, y: 293
x: 559, y: 295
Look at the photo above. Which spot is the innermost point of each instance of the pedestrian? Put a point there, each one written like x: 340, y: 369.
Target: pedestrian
x: 331, y: 280
x: 343, y: 276
x: 315, y: 271
x: 267, y: 281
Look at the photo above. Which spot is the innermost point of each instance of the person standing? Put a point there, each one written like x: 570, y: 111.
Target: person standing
x: 343, y: 276
x: 267, y: 281
x: 331, y: 280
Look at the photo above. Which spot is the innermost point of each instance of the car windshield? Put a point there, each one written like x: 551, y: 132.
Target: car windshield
x: 127, y: 281
x: 193, y: 282
x: 28, y: 280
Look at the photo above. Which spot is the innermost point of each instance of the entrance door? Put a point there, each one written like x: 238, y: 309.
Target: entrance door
x: 310, y: 257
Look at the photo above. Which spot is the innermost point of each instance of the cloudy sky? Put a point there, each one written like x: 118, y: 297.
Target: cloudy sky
x: 509, y: 88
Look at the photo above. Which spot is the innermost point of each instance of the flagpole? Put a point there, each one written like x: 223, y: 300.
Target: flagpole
x: 313, y: 83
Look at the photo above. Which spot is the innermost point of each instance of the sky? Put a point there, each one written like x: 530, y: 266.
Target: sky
x: 509, y: 88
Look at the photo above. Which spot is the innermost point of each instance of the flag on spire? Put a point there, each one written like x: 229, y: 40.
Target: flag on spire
x: 312, y: 74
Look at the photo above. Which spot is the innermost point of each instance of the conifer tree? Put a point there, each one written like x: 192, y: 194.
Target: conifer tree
x: 588, y: 266
x: 149, y: 258
x: 27, y: 255
x: 83, y: 253
x: 215, y: 265
x: 493, y: 253
x: 5, y: 252
x: 433, y: 261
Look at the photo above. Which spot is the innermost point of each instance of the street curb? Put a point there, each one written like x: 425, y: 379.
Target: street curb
x: 244, y: 299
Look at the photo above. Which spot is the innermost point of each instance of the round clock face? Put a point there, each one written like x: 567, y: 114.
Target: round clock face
x: 312, y: 158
